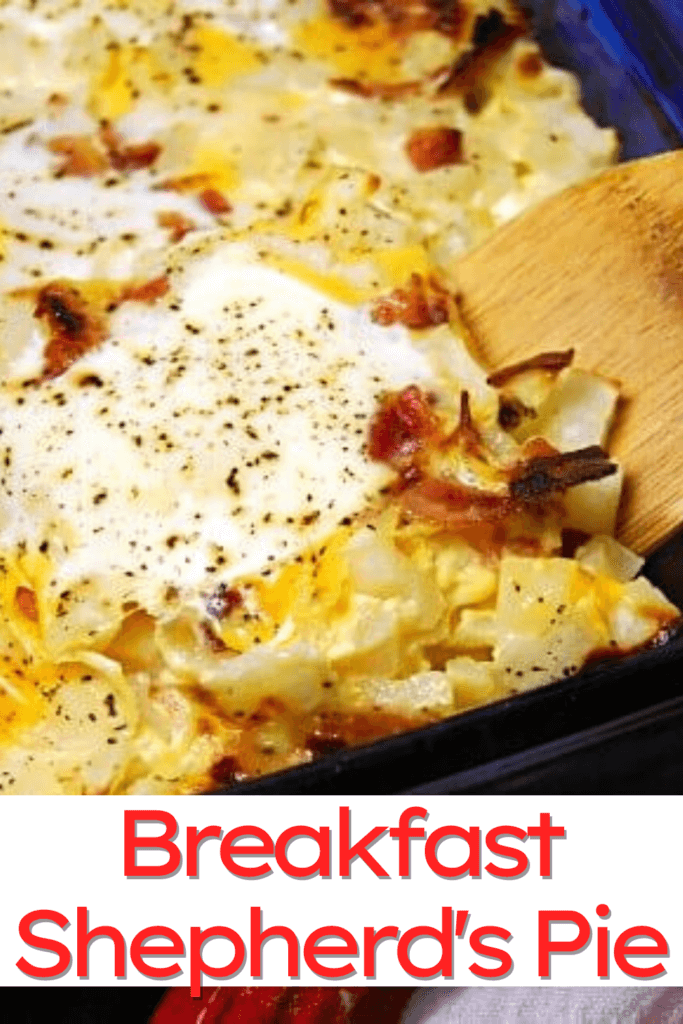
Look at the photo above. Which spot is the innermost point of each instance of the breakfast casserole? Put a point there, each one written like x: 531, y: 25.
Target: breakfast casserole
x: 258, y: 498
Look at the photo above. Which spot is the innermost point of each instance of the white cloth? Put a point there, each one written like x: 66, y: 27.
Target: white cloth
x: 493, y: 1005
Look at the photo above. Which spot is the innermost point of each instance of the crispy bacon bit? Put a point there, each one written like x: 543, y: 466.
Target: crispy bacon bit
x: 430, y: 148
x: 82, y: 159
x: 530, y: 65
x: 454, y: 506
x: 403, y: 426
x: 213, y: 641
x: 176, y: 223
x: 147, y: 291
x: 135, y: 158
x: 85, y: 157
x: 449, y: 17
x: 26, y: 603
x: 75, y: 326
x: 183, y: 183
x: 553, y: 362
x: 127, y: 158
x: 420, y: 305
x: 210, y: 198
x: 377, y: 90
x: 492, y: 38
x: 214, y: 202
x: 223, y: 601
x: 549, y: 474
x: 466, y: 435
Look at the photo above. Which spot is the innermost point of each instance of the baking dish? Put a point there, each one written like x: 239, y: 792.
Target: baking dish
x: 630, y: 64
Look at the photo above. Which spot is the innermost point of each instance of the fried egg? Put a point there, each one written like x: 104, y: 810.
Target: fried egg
x: 226, y: 235
x: 213, y: 434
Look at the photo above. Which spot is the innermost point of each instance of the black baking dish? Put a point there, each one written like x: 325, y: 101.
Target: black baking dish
x: 450, y: 756
x: 628, y: 55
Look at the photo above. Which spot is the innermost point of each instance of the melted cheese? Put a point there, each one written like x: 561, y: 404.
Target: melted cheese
x: 219, y: 55
x: 367, y: 52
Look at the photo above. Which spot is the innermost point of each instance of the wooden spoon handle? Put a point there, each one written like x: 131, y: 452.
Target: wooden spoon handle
x: 600, y: 268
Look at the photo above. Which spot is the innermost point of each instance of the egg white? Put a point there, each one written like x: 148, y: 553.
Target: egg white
x: 213, y: 435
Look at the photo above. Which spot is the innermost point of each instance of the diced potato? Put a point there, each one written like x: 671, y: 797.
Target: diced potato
x: 368, y: 644
x: 640, y: 613
x: 424, y: 691
x: 378, y: 568
x: 578, y: 412
x: 452, y: 558
x: 534, y: 592
x: 593, y: 506
x: 463, y: 576
x: 607, y: 556
x: 476, y: 629
x: 548, y: 620
x: 527, y: 661
x: 295, y: 673
x: 532, y: 389
x: 474, y: 681
x: 477, y: 583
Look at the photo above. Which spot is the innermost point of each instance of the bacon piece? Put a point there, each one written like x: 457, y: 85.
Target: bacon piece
x: 454, y: 506
x: 210, y: 198
x: 176, y: 223
x: 378, y: 90
x: 127, y: 158
x: 75, y: 326
x: 417, y: 306
x: 136, y: 157
x: 146, y: 291
x: 550, y: 474
x: 183, y: 183
x: 492, y: 38
x: 82, y: 159
x: 403, y: 426
x: 449, y: 17
x: 553, y: 362
x: 214, y: 202
x: 466, y: 435
x: 27, y: 603
x: 430, y: 148
x: 212, y: 639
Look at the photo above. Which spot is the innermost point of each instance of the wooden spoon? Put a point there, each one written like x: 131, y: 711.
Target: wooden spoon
x: 599, y: 268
